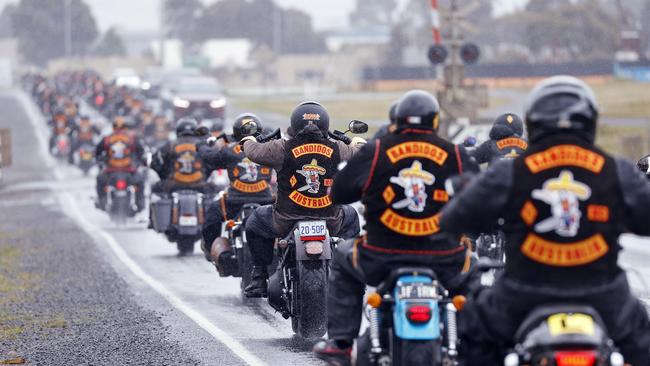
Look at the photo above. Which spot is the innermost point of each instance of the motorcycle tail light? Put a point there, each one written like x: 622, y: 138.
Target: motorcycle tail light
x: 99, y: 100
x: 418, y: 314
x: 314, y: 247
x: 120, y: 184
x: 575, y: 358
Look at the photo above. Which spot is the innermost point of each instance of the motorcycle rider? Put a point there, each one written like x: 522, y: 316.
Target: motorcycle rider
x: 305, y: 166
x: 157, y: 132
x: 563, y: 205
x: 60, y: 125
x: 386, y: 129
x: 83, y: 132
x: 121, y: 151
x: 400, y: 178
x: 178, y: 164
x: 505, y: 141
x: 249, y: 183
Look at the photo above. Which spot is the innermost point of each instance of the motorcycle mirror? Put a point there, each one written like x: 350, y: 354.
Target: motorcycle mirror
x: 212, y: 140
x: 202, y: 131
x: 250, y: 129
x: 357, y: 127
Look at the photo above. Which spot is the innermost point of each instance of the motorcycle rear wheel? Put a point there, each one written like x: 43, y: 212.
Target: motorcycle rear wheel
x: 310, y: 292
x: 410, y: 352
x: 185, y: 246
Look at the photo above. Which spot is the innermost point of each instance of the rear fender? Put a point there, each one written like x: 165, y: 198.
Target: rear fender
x: 301, y: 253
x: 403, y: 328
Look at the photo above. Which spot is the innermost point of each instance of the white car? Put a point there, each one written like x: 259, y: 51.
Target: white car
x: 126, y: 77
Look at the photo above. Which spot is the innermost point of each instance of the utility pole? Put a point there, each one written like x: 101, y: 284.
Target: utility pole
x: 162, y: 33
x: 67, y: 31
x: 450, y: 53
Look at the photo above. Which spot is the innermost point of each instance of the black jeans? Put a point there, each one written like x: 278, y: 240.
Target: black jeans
x: 215, y: 214
x: 261, y: 232
x: 493, y: 315
x: 348, y: 281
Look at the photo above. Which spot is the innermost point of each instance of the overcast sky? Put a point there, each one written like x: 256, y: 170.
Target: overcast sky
x: 142, y: 15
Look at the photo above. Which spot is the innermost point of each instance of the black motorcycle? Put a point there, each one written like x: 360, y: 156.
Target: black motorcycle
x: 560, y: 335
x: 180, y: 216
x: 121, y: 197
x: 230, y: 252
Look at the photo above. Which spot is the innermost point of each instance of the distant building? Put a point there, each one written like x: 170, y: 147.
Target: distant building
x: 228, y: 53
x: 335, y: 41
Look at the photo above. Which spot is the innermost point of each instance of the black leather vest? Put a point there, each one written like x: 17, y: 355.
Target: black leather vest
x: 247, y: 179
x: 510, y: 148
x: 187, y: 166
x: 406, y: 192
x: 562, y: 221
x: 307, y: 173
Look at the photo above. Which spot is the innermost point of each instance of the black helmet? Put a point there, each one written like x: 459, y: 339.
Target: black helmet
x: 418, y: 109
x: 392, y: 113
x: 246, y: 124
x: 507, y: 125
x: 186, y: 126
x: 307, y: 113
x: 119, y: 122
x: 562, y: 103
x: 643, y: 165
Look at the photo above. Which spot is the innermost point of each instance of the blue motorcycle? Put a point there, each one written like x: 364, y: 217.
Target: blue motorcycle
x: 412, y: 321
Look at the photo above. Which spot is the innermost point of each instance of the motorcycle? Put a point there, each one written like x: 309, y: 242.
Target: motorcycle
x: 238, y: 261
x: 61, y: 147
x: 412, y: 321
x: 120, y: 197
x: 180, y: 216
x: 298, y: 287
x: 561, y: 335
x: 85, y: 157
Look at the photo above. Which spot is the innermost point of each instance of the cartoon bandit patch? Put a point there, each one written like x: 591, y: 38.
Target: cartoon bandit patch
x: 311, y: 172
x: 250, y: 170
x: 563, y: 194
x: 118, y: 150
x: 414, y: 181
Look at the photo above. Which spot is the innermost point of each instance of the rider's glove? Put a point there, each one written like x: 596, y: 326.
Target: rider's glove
x: 247, y: 138
x: 356, y: 141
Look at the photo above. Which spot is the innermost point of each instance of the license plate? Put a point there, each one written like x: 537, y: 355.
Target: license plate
x: 188, y: 221
x: 313, y: 230
x: 119, y: 193
x: 560, y: 324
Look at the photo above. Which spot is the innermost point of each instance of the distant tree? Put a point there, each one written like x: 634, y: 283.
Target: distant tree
x: 181, y: 17
x: 110, y: 44
x: 6, y: 23
x: 40, y: 28
x: 373, y: 13
x: 260, y: 21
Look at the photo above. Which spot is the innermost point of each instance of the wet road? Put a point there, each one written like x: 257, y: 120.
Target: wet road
x: 201, y: 317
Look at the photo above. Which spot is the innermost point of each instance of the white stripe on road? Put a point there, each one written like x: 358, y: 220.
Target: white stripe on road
x: 73, y: 210
x: 237, y: 348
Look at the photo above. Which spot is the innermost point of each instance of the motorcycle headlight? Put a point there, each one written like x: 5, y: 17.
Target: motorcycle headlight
x: 218, y: 103
x: 181, y: 103
x: 146, y: 86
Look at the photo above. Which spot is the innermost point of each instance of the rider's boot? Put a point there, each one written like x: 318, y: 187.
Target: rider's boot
x: 334, y: 352
x: 258, y: 286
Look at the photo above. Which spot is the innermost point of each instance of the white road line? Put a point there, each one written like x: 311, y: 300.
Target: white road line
x: 237, y: 348
x: 73, y: 210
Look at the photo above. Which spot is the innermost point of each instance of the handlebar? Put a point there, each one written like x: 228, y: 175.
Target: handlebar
x: 275, y: 135
x: 338, y: 135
